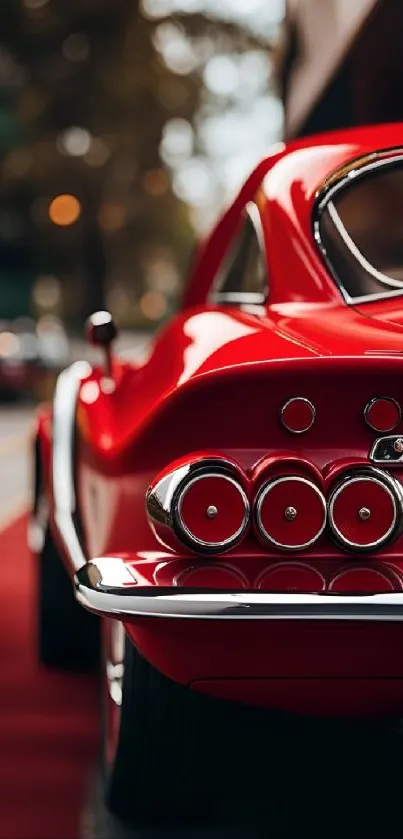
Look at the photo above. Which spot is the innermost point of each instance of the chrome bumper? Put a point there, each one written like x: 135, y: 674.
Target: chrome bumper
x: 107, y: 587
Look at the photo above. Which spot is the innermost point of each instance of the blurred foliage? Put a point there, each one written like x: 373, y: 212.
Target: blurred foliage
x: 92, y: 66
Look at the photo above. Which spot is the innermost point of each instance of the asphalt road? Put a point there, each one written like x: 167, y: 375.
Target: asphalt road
x: 16, y: 422
x: 15, y: 478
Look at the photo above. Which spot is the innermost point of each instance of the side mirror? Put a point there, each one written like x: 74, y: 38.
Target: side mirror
x: 101, y: 331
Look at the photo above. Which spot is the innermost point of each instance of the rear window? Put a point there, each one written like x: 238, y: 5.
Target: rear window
x: 360, y: 231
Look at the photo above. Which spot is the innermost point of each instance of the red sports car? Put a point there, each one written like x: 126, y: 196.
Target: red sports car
x: 232, y: 508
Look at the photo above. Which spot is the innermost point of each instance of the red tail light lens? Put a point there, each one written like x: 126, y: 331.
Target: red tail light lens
x: 290, y: 513
x: 211, y: 511
x: 365, y: 510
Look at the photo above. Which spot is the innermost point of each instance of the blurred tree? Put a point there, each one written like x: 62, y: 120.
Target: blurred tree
x: 85, y: 94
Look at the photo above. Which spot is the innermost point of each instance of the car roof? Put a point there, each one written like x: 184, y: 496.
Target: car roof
x: 285, y: 186
x: 302, y: 168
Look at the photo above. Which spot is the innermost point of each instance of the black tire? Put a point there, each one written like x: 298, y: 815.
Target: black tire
x: 165, y: 760
x: 68, y: 636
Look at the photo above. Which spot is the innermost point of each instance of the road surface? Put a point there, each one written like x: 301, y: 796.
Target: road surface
x: 15, y: 474
x: 16, y: 423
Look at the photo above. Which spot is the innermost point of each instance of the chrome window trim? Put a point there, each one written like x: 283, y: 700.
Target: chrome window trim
x: 234, y: 298
x: 340, y: 180
x: 245, y: 298
x: 102, y: 587
x: 395, y: 492
x: 183, y: 531
x: 266, y: 488
x: 64, y: 496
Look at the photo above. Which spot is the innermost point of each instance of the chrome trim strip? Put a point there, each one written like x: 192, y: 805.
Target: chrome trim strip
x: 241, y: 298
x: 394, y: 491
x: 115, y: 599
x: 336, y: 183
x: 258, y: 506
x: 289, y: 402
x: 183, y: 530
x: 64, y: 497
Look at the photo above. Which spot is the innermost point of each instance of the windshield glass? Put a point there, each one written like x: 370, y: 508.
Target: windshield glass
x: 361, y: 232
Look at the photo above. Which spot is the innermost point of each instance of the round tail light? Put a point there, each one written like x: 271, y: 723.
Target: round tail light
x: 365, y: 510
x: 290, y: 513
x: 211, y: 511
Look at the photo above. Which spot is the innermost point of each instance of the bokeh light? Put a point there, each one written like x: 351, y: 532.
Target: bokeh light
x: 98, y: 153
x: 221, y: 75
x: 175, y: 48
x: 47, y: 292
x: 75, y: 141
x: 260, y: 16
x: 153, y: 304
x: 9, y: 344
x: 64, y: 210
x: 76, y: 47
x: 156, y: 182
x: 177, y: 140
x: 194, y: 182
x: 112, y: 216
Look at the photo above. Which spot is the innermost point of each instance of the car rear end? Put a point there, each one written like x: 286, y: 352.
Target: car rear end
x: 273, y: 573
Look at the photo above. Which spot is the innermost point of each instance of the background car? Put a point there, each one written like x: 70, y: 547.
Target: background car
x: 31, y: 355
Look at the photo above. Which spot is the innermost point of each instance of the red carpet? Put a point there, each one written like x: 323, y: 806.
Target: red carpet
x: 48, y: 720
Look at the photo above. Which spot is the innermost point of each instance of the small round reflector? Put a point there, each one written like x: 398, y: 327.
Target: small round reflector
x: 211, y: 511
x: 298, y: 415
x: 361, y: 580
x: 382, y: 414
x: 292, y: 577
x: 290, y: 512
x: 365, y: 510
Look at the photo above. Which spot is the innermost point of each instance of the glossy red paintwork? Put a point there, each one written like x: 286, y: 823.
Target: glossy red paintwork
x: 216, y: 379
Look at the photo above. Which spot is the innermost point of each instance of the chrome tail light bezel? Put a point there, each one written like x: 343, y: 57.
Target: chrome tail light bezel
x: 395, y: 492
x: 260, y: 497
x: 164, y: 503
x: 185, y: 534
